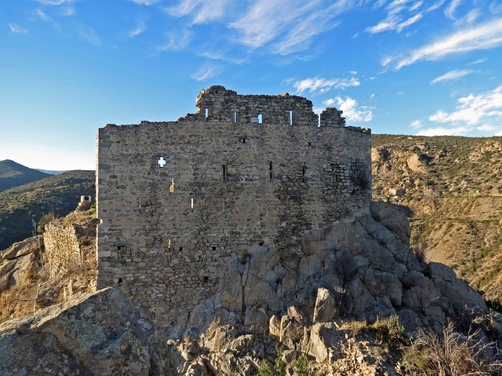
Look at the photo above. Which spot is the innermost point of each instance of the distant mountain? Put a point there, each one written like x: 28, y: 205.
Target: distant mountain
x: 58, y: 194
x: 51, y: 172
x: 13, y: 174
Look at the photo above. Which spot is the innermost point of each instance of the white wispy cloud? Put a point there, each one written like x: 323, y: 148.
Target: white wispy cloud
x: 68, y: 11
x: 200, y: 10
x: 416, y: 124
x: 486, y: 127
x: 495, y: 7
x: 323, y: 85
x: 351, y: 111
x: 176, y: 40
x: 400, y: 14
x: 479, y: 61
x: 88, y: 34
x: 44, y: 17
x: 440, y: 131
x: 480, y: 37
x: 289, y: 26
x: 451, y: 8
x: 435, y: 6
x: 452, y: 75
x: 224, y: 57
x: 283, y: 27
x: 138, y: 30
x: 145, y: 2
x: 55, y: 2
x: 206, y: 72
x: 473, y: 109
x: 16, y: 29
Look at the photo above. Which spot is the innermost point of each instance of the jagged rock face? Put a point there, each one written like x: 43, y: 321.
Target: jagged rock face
x: 19, y: 262
x: 360, y: 269
x: 94, y: 334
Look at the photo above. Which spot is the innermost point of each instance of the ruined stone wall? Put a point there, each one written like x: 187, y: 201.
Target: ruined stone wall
x: 177, y: 199
x: 62, y: 249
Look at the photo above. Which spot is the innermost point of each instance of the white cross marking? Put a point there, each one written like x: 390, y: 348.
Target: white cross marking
x: 161, y: 162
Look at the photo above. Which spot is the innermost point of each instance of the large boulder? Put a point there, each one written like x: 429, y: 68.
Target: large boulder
x: 93, y: 334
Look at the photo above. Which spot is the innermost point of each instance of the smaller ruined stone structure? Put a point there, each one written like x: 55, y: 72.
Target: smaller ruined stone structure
x: 178, y: 199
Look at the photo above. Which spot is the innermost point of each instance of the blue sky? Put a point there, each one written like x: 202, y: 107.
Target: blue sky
x: 68, y: 67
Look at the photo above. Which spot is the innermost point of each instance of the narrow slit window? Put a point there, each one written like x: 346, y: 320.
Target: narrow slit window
x: 260, y: 118
x: 290, y: 117
x: 304, y: 169
x: 224, y: 172
x: 271, y: 171
x: 206, y: 112
x: 235, y: 116
x: 191, y: 203
x: 169, y: 244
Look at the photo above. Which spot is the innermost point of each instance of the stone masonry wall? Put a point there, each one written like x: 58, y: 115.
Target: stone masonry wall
x: 178, y: 199
x: 62, y: 249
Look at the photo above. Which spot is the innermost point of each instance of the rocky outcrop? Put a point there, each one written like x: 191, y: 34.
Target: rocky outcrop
x: 93, y: 334
x: 361, y: 269
x: 21, y: 261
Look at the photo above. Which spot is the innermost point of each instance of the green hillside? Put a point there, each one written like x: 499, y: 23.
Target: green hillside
x: 59, y: 194
x: 13, y: 174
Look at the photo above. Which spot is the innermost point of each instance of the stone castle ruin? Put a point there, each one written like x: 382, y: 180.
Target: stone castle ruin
x: 178, y: 199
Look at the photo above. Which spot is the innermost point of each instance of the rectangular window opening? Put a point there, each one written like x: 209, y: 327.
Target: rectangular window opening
x: 235, y: 116
x: 181, y: 249
x: 206, y: 112
x: 260, y: 118
x: 224, y: 172
x: 290, y: 117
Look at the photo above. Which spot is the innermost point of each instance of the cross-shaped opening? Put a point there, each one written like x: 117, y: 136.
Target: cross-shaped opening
x: 161, y: 162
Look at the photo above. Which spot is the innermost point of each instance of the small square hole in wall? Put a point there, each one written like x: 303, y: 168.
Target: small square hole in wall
x: 214, y: 248
x: 206, y: 279
x: 261, y: 243
x: 181, y: 249
x: 120, y: 280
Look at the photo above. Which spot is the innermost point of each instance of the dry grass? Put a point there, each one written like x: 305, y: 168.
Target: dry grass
x: 450, y: 355
x: 387, y: 329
